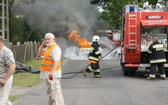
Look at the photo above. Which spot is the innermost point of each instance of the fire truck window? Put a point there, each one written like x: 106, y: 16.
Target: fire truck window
x: 148, y: 32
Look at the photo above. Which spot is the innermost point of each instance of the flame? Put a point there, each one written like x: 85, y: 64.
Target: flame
x: 81, y: 42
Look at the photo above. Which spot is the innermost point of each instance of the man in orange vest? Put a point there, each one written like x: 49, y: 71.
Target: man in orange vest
x: 50, y: 53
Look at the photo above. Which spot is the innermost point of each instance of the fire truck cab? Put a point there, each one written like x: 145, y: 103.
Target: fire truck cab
x: 138, y: 27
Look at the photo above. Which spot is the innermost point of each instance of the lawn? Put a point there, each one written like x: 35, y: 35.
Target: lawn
x: 26, y: 79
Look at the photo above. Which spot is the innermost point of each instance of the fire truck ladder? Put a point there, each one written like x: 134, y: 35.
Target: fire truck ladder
x: 132, y: 30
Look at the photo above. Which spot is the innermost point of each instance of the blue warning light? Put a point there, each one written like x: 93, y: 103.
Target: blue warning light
x: 131, y: 8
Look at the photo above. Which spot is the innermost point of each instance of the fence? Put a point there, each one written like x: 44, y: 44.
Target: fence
x: 24, y: 52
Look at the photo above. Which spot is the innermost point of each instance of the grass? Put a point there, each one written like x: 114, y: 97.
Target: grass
x: 13, y: 98
x: 26, y: 79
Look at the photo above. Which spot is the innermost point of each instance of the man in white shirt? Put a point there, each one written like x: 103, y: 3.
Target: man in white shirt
x: 50, y: 54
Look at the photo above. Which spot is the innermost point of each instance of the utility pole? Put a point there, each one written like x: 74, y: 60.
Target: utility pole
x: 4, y: 20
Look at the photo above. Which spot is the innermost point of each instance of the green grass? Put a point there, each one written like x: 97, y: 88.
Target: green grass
x: 27, y: 79
x: 13, y: 98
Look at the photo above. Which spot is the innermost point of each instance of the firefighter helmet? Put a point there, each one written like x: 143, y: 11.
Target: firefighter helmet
x: 95, y: 38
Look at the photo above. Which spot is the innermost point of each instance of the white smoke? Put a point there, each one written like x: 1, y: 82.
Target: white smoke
x: 106, y: 48
x: 74, y: 53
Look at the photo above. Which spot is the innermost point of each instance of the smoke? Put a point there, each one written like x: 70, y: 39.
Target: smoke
x: 75, y: 53
x: 106, y: 45
x: 60, y: 17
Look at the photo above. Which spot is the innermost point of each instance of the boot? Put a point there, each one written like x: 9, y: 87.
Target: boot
x: 164, y: 78
x: 97, y: 76
x: 84, y: 73
x: 150, y: 78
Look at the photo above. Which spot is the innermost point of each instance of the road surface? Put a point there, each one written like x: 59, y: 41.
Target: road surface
x: 112, y: 89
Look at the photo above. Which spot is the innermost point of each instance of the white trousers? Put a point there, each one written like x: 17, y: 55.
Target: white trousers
x: 55, y: 92
x: 4, y: 92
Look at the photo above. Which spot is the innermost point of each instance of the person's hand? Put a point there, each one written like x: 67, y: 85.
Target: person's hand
x: 2, y: 82
x: 37, y: 57
x: 43, y: 43
x: 101, y: 57
x: 50, y: 76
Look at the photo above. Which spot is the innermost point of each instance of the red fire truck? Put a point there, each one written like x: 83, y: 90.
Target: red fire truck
x: 138, y: 27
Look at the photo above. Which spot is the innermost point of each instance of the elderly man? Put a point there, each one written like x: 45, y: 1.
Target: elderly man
x: 7, y: 68
x: 50, y: 54
x: 157, y: 58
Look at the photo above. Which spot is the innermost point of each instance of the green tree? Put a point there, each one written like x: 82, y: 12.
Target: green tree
x: 113, y: 11
x: 152, y: 2
x: 19, y: 30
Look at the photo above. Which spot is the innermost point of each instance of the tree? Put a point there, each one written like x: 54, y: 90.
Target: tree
x: 19, y: 30
x: 152, y: 2
x: 113, y: 11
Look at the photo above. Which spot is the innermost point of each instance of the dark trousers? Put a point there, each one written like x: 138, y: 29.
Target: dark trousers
x: 93, y: 68
x: 160, y: 67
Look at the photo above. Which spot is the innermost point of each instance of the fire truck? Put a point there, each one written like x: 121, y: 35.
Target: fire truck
x: 139, y: 25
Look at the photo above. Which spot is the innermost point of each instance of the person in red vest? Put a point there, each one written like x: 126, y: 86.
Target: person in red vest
x: 50, y: 53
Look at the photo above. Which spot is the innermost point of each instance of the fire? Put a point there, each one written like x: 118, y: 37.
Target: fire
x: 81, y: 42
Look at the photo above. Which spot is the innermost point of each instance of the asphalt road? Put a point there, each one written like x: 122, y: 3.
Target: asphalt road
x: 112, y: 89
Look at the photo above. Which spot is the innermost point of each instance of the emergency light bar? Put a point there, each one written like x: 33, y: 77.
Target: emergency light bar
x: 131, y: 8
x: 153, y: 17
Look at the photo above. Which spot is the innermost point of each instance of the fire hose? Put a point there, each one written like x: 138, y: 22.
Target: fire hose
x: 76, y: 73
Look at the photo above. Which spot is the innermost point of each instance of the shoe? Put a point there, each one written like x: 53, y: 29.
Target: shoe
x: 97, y: 76
x: 149, y: 78
x: 84, y: 73
x: 164, y: 78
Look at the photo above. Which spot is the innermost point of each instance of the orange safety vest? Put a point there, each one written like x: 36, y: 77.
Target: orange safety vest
x: 47, y: 61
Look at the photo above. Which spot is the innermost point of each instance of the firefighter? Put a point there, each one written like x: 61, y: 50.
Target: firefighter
x: 157, y: 58
x: 94, y: 58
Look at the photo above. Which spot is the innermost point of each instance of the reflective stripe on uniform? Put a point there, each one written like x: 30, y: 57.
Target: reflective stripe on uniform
x: 152, y: 75
x: 49, y: 65
x: 162, y: 75
x: 96, y: 70
x: 158, y: 47
x: 97, y: 52
x: 48, y: 59
x: 149, y: 51
x: 157, y: 60
x: 91, y: 49
x: 90, y: 68
x: 93, y: 58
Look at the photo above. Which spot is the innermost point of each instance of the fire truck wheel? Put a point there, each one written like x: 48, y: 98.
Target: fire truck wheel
x: 132, y: 73
x: 126, y: 72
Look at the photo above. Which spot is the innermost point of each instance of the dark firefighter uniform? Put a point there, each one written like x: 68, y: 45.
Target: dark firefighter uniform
x: 93, y: 59
x: 157, y: 58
